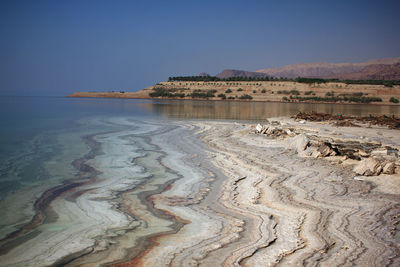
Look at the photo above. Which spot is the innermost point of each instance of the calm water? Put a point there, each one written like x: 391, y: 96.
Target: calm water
x: 40, y: 137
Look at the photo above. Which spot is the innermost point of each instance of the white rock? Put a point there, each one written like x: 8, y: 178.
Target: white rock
x: 265, y: 129
x: 270, y: 130
x: 389, y: 168
x: 298, y: 143
x: 368, y: 167
x: 302, y: 121
x: 259, y: 128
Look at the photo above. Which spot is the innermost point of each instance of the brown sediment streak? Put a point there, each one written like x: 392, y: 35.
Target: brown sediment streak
x: 138, y: 261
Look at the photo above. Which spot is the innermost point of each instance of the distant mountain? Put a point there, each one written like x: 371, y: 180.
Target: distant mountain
x: 334, y: 70
x: 239, y: 73
x: 373, y: 72
x: 385, y: 68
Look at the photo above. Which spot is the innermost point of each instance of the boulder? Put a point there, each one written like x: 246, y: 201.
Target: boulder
x: 389, y: 167
x: 265, y: 129
x: 325, y: 150
x: 368, y: 167
x: 298, y: 143
x: 270, y: 130
x: 384, y: 154
x: 259, y: 128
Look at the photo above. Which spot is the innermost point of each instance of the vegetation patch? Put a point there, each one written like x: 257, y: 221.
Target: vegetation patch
x: 228, y: 91
x: 202, y: 94
x: 394, y: 100
x: 246, y: 96
x: 330, y: 93
x: 291, y: 92
x: 222, y: 96
x: 338, y: 99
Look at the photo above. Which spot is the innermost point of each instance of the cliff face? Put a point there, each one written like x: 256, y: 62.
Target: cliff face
x: 374, y: 72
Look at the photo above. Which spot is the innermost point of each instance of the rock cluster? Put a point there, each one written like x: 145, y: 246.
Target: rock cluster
x: 380, y: 161
x: 373, y: 158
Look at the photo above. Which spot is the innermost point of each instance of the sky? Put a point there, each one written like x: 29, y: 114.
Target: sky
x: 53, y: 48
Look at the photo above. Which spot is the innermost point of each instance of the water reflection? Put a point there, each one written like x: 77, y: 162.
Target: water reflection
x: 255, y: 110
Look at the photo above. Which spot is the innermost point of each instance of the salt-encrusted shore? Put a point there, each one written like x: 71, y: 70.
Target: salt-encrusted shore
x: 209, y: 193
x: 291, y: 198
x: 302, y: 185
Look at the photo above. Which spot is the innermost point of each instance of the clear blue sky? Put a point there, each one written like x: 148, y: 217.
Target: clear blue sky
x: 58, y: 47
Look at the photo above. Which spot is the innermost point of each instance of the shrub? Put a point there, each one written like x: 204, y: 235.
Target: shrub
x: 336, y: 99
x: 286, y: 92
x: 222, y: 96
x: 285, y: 98
x: 201, y: 94
x: 263, y: 91
x: 228, y: 91
x: 308, y: 92
x: 240, y: 89
x: 388, y: 84
x: 295, y: 92
x: 231, y: 97
x: 330, y: 93
x: 254, y: 91
x: 246, y: 97
x: 394, y: 100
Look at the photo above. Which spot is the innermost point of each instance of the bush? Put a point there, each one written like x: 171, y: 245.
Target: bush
x: 295, y: 92
x: 388, y: 84
x: 308, y: 92
x: 286, y: 92
x: 337, y: 99
x: 285, y: 98
x: 240, y: 89
x: 246, y: 97
x: 254, y: 91
x: 263, y: 91
x: 202, y: 94
x: 222, y: 96
x: 394, y: 100
x: 330, y: 93
x: 228, y: 91
x: 231, y: 97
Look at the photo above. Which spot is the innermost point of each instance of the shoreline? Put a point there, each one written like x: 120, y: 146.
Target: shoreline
x: 216, y: 193
x: 238, y: 100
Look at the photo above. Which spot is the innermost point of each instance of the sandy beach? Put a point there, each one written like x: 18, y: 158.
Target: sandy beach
x: 212, y: 193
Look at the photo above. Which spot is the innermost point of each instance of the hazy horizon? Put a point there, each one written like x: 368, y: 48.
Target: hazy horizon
x: 58, y: 47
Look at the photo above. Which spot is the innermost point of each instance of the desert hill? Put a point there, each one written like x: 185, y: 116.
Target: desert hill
x: 385, y: 68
